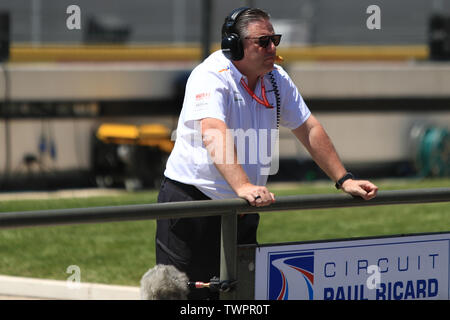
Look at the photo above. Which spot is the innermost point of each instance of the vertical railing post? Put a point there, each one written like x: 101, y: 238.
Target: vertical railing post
x: 228, y: 252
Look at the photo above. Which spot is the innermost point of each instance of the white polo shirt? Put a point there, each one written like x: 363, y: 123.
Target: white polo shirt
x: 213, y: 90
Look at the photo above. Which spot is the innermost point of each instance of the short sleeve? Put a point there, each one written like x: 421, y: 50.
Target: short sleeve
x: 206, y: 96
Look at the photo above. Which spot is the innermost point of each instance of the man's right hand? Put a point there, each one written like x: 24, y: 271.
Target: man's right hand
x: 257, y: 196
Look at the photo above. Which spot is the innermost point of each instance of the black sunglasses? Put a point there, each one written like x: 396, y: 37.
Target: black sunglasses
x: 263, y: 41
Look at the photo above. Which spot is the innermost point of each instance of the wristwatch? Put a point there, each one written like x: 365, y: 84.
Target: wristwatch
x: 347, y: 176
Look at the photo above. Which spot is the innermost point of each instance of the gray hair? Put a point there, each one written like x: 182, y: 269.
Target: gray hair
x: 244, y: 19
x: 164, y: 282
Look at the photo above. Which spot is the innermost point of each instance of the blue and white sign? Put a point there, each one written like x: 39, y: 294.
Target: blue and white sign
x: 397, y: 268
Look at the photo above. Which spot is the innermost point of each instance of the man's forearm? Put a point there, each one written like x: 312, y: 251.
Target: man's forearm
x: 234, y: 174
x: 220, y: 145
x: 319, y: 145
x: 325, y: 155
x: 313, y: 136
x: 227, y: 162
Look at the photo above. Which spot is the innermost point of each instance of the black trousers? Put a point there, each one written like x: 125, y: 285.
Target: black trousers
x: 192, y: 245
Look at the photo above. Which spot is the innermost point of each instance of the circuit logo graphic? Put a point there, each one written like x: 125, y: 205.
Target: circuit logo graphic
x: 291, y: 276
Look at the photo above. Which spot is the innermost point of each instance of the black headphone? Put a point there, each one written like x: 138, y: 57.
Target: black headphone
x: 232, y: 46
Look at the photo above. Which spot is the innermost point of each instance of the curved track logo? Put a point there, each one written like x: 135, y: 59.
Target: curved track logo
x: 291, y: 276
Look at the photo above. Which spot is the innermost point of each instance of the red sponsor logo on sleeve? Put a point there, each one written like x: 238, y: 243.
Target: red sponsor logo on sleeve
x: 202, y: 96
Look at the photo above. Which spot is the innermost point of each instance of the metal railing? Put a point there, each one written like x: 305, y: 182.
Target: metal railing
x: 228, y: 209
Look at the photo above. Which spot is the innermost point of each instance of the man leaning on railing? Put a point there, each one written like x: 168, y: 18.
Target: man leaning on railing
x: 226, y: 143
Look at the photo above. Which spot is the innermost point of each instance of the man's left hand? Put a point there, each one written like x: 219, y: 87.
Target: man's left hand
x: 362, y: 188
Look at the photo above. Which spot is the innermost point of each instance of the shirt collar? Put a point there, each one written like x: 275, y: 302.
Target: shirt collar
x: 235, y: 73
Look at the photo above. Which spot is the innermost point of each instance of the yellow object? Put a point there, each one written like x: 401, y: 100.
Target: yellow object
x: 153, y: 135
x: 118, y: 133
x: 153, y: 131
x: 102, y: 53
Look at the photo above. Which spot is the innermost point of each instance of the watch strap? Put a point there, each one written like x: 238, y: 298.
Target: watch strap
x: 347, y: 176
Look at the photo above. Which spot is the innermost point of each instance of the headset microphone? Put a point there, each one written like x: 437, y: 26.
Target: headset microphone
x: 279, y: 58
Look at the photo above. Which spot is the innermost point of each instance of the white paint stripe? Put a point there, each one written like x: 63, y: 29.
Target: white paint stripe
x: 56, y: 289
